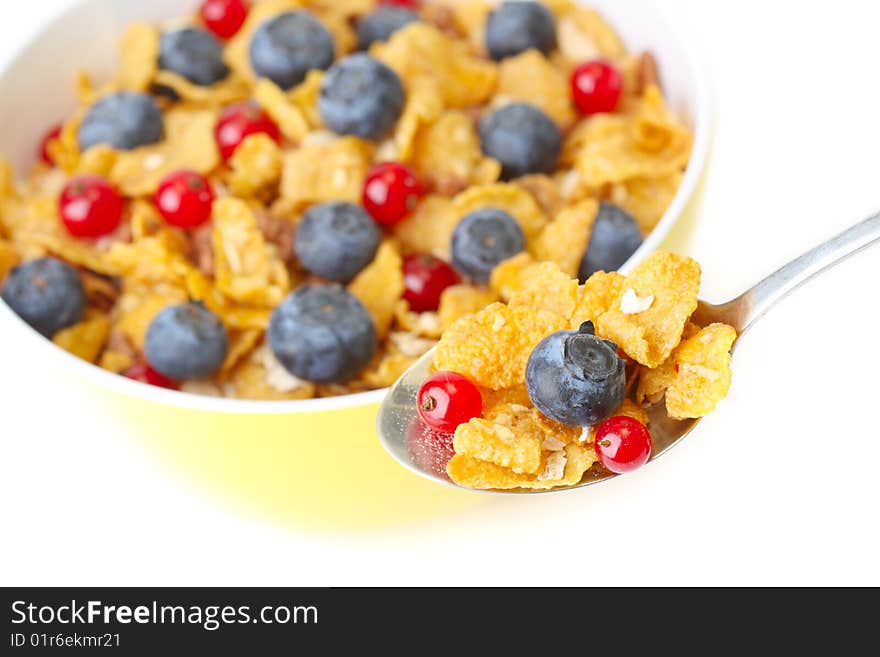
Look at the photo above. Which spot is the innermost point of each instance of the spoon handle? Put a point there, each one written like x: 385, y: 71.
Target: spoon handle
x: 753, y: 304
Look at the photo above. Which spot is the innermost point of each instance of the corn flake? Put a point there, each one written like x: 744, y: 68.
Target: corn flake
x: 139, y: 57
x: 282, y: 110
x: 564, y: 240
x: 598, y: 295
x: 380, y: 286
x: 530, y: 78
x: 86, y: 339
x: 458, y: 301
x: 702, y: 372
x: 8, y: 258
x: 319, y: 172
x: 231, y: 89
x: 429, y: 229
x: 545, y: 287
x: 517, y: 202
x: 255, y: 167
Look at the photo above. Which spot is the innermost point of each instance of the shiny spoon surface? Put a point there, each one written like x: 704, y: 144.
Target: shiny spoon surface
x: 399, y: 412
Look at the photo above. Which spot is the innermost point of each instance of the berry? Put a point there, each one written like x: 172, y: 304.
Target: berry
x: 186, y: 341
x: 47, y: 294
x: 184, y: 199
x: 242, y: 120
x: 614, y: 238
x: 518, y: 26
x: 382, y: 23
x: 195, y: 54
x: 361, y: 96
x: 430, y: 450
x: 522, y: 138
x: 596, y: 87
x: 224, y: 17
x: 448, y: 399
x: 425, y: 277
x: 336, y: 240
x: 49, y: 137
x: 391, y: 193
x: 322, y: 333
x: 575, y: 377
x: 482, y: 240
x: 411, y: 4
x: 623, y: 444
x: 287, y: 47
x: 90, y: 206
x: 124, y: 120
x: 145, y: 374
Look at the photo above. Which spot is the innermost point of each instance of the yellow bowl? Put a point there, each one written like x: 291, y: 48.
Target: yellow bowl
x: 312, y: 463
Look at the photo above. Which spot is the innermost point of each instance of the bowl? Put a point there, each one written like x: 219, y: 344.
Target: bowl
x: 316, y: 460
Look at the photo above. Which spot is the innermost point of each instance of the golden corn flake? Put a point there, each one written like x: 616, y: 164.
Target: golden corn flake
x: 8, y: 259
x: 189, y: 144
x: 564, y: 240
x: 98, y: 160
x: 429, y: 229
x: 654, y: 382
x: 423, y: 106
x: 448, y: 153
x: 508, y: 277
x: 421, y: 50
x: 64, y: 150
x: 137, y: 308
x: 115, y: 361
x: 545, y: 191
x: 241, y: 344
x: 493, y: 346
x: 305, y: 97
x: 666, y: 286
x: 530, y: 78
x: 582, y: 32
x: 333, y: 171
x: 139, y: 57
x: 427, y: 324
x: 255, y: 167
x: 247, y: 269
x: 702, y: 372
x: 562, y: 468
x: 597, y: 296
x: 346, y: 8
x: 545, y: 287
x: 494, y: 399
x: 231, y: 89
x: 282, y: 110
x: 470, y: 19
x: 261, y: 376
x: 458, y: 301
x: 380, y: 286
x: 498, y: 443
x: 159, y: 258
x: 515, y: 201
x: 86, y: 339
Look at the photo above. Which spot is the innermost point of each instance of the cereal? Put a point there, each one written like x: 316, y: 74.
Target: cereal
x: 231, y: 90
x: 458, y: 301
x: 255, y: 167
x: 429, y: 229
x: 597, y: 296
x: 86, y: 339
x: 530, y: 78
x: 8, y: 258
x: 654, y: 382
x: 282, y: 109
x: 260, y: 376
x: 547, y: 288
x: 380, y: 286
x: 650, y: 336
x: 423, y: 107
x: 517, y: 202
x: 702, y: 372
x: 427, y: 324
x: 564, y: 240
x: 509, y: 277
x: 421, y: 50
x: 320, y: 172
x: 139, y: 57
x: 492, y: 346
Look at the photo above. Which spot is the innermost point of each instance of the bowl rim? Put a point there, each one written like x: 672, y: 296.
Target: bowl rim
x: 82, y: 369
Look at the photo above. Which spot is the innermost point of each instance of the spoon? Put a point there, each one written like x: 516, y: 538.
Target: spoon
x: 399, y: 410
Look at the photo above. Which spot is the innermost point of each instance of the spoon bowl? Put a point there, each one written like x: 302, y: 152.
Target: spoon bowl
x: 399, y: 418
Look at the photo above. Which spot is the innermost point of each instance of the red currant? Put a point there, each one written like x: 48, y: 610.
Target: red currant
x: 184, y: 199
x: 447, y: 399
x: 623, y: 444
x: 425, y: 277
x: 391, y: 193
x: 596, y: 87
x: 224, y: 17
x: 239, y: 121
x: 50, y: 136
x: 146, y: 374
x: 430, y: 450
x: 90, y: 206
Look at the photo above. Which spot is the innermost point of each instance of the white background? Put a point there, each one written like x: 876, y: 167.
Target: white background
x: 779, y: 486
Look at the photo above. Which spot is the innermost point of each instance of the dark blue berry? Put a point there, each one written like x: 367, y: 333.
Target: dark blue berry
x: 522, y: 138
x: 382, y: 23
x: 322, y: 333
x: 195, y: 54
x: 361, y: 96
x: 124, y: 120
x: 336, y: 240
x: 47, y: 294
x: 518, y: 26
x: 576, y: 378
x: 186, y: 342
x: 287, y: 47
x: 615, y: 237
x: 482, y: 240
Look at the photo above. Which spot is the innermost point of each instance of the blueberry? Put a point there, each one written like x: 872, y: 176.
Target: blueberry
x: 361, y: 96
x: 195, y: 54
x: 287, y: 47
x: 382, y: 23
x: 518, y: 26
x: 123, y: 120
x: 576, y: 378
x: 522, y: 138
x: 482, y: 240
x: 322, y: 333
x: 47, y: 294
x: 615, y: 237
x: 186, y: 341
x: 336, y: 240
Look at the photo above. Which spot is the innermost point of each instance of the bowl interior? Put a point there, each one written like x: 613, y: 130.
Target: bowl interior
x: 37, y: 88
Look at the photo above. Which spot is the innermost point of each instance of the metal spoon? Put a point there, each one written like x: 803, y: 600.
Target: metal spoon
x: 398, y: 411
